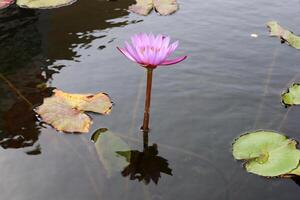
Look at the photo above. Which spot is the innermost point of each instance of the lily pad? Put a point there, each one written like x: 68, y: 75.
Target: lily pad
x: 44, y: 4
x: 5, y: 3
x: 292, y: 95
x: 267, y: 153
x: 276, y: 162
x: 284, y: 34
x: 251, y: 145
x: 142, y: 7
x: 108, y: 145
x: 163, y: 7
x: 65, y: 111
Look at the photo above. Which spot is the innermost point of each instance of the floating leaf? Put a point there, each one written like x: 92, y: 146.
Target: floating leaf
x: 5, y: 3
x: 165, y: 7
x: 294, y: 172
x: 292, y: 95
x: 44, y: 4
x: 251, y: 145
x: 64, y: 111
x: 276, y: 162
x: 285, y: 35
x: 267, y: 153
x: 142, y: 7
x: 107, y: 146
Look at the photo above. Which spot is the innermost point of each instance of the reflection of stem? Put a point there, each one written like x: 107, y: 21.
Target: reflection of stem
x: 15, y: 90
x: 147, y: 100
x: 190, y: 153
x: 145, y: 140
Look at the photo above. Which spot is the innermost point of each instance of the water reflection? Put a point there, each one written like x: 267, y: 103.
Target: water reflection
x: 30, y: 44
x: 116, y: 156
x: 75, y: 27
x: 146, y: 165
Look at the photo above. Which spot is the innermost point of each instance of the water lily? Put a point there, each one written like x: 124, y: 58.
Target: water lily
x: 150, y: 51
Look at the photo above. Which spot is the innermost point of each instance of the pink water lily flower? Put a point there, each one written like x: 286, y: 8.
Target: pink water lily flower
x: 151, y: 51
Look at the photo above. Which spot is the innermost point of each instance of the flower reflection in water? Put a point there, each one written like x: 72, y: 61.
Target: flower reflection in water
x: 146, y: 165
x: 116, y: 156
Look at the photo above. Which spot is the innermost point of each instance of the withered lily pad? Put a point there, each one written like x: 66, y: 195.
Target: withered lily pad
x: 65, y: 112
x: 108, y: 145
x: 292, y: 95
x: 284, y: 34
x: 163, y: 7
x: 44, y: 4
x: 5, y: 3
x: 142, y: 7
x: 267, y: 153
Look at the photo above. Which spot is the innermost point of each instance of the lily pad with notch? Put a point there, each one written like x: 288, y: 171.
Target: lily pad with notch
x: 65, y: 112
x: 267, y: 153
x: 292, y: 96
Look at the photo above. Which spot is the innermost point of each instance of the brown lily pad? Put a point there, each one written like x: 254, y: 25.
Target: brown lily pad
x: 65, y: 112
x: 163, y: 7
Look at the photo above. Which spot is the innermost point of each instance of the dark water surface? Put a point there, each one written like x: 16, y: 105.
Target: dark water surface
x: 231, y: 83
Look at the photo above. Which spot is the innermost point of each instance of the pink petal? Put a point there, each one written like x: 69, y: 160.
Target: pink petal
x: 132, y: 52
x: 174, y: 61
x: 124, y: 51
x: 172, y: 48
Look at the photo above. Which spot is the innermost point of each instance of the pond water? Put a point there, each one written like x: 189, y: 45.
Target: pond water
x: 230, y: 84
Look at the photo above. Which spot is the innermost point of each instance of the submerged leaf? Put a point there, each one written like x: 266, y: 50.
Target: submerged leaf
x: 107, y: 146
x: 142, y: 7
x: 65, y: 111
x: 292, y: 95
x: 267, y: 153
x: 285, y: 35
x: 165, y: 7
x: 44, y: 4
x: 5, y: 3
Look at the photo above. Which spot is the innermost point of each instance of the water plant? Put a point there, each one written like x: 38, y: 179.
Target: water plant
x: 150, y: 51
x: 285, y: 35
x: 65, y: 111
x: 163, y: 7
x: 292, y: 95
x: 267, y: 153
x: 37, y: 4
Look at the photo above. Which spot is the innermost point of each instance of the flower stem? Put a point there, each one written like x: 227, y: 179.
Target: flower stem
x: 147, y: 100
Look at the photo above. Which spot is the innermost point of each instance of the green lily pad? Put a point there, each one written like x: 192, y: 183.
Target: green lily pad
x: 294, y: 172
x: 284, y: 34
x: 277, y: 162
x: 252, y: 145
x: 292, y: 95
x: 267, y: 153
x: 44, y: 4
x: 108, y: 145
